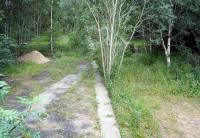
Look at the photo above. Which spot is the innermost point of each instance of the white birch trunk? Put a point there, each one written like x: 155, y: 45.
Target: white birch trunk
x: 110, y: 19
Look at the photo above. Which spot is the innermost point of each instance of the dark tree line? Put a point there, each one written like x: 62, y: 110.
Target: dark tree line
x: 24, y: 19
x: 171, y: 25
x: 174, y: 24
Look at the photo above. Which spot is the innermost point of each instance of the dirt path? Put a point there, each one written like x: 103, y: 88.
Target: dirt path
x: 179, y: 119
x: 70, y: 104
x: 71, y: 107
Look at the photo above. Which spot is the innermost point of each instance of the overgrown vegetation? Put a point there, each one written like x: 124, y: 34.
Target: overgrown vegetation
x: 145, y: 33
x: 4, y: 87
x: 12, y: 122
x: 7, y: 50
x: 143, y: 76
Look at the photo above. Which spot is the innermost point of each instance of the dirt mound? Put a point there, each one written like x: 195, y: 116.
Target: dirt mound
x: 35, y: 57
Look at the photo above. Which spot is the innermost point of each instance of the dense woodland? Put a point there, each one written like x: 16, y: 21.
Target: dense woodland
x: 134, y: 41
x: 168, y: 25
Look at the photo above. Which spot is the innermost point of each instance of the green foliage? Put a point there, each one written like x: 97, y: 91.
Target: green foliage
x: 4, y: 90
x: 72, y: 42
x: 40, y: 43
x: 147, y: 59
x: 63, y: 44
x: 138, y: 43
x: 13, y: 122
x: 7, y: 50
x: 144, y: 76
x: 23, y: 69
x: 64, y: 63
x: 134, y: 118
x: 1, y: 15
x: 186, y: 78
x: 62, y: 41
x: 74, y: 13
x: 30, y: 102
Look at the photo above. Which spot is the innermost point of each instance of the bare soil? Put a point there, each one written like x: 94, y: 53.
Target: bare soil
x: 35, y: 57
x: 179, y: 118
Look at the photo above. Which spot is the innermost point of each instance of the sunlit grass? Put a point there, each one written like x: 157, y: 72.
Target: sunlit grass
x: 62, y: 41
x: 138, y: 43
x: 23, y: 69
x: 40, y: 41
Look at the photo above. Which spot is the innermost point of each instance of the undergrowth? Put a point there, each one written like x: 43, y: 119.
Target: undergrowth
x: 143, y: 76
x: 13, y: 122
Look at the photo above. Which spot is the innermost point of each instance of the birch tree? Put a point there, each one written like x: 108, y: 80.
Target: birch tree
x: 163, y: 24
x: 111, y: 17
x: 167, y: 47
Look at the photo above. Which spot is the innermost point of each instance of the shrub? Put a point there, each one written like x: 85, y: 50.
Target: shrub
x: 4, y: 90
x: 13, y: 122
x: 7, y: 50
x: 72, y: 41
x: 40, y: 43
x: 147, y: 59
x: 186, y: 78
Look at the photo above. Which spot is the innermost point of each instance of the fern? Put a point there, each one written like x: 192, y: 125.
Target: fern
x: 13, y: 122
x: 4, y: 89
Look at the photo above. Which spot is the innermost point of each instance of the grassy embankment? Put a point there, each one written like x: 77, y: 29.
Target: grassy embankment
x: 138, y: 91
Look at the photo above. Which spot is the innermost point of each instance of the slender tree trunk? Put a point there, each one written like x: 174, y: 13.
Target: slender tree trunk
x: 51, y: 39
x: 109, y: 19
x: 40, y: 28
x: 168, y: 53
x: 167, y: 47
x: 38, y: 22
x: 19, y: 31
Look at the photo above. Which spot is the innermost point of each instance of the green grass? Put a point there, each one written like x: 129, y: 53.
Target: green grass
x: 65, y: 60
x: 62, y: 41
x: 23, y: 69
x: 40, y: 41
x: 138, y: 42
x: 138, y: 90
x: 57, y: 67
x: 42, y: 44
x: 62, y: 64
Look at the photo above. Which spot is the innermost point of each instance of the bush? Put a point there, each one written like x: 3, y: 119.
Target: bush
x: 4, y: 90
x: 72, y: 41
x: 7, y: 50
x: 13, y: 122
x: 147, y: 59
x: 40, y: 43
x: 186, y: 78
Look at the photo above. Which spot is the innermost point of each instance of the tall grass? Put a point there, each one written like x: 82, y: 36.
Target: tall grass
x: 23, y: 69
x: 143, y: 76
